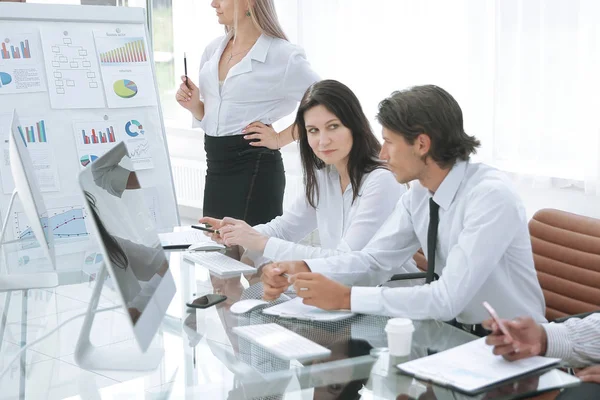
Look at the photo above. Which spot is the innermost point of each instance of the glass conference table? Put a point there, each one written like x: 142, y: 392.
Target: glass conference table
x: 203, y: 358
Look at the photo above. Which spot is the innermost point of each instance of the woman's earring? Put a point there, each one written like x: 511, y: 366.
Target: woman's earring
x: 248, y: 13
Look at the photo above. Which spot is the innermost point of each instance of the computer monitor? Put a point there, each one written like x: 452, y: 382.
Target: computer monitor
x: 133, y: 257
x: 28, y: 192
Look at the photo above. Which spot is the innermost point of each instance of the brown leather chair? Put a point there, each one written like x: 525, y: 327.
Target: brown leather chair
x: 566, y: 253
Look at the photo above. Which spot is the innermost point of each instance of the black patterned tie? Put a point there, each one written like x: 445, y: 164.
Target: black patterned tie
x: 434, y: 219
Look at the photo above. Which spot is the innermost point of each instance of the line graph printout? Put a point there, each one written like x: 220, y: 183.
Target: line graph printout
x: 136, y: 133
x: 67, y: 220
x: 72, y: 68
x: 125, y: 67
x: 21, y: 62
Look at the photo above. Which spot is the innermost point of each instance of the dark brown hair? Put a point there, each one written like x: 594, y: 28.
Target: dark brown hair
x: 430, y: 110
x: 343, y: 103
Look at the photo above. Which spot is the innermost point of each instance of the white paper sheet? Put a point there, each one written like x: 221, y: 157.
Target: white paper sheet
x: 37, y: 133
x: 472, y: 366
x: 94, y: 138
x: 183, y: 238
x: 72, y: 68
x: 21, y: 63
x: 125, y: 66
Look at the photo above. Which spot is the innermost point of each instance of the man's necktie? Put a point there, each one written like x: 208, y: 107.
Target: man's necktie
x: 434, y: 219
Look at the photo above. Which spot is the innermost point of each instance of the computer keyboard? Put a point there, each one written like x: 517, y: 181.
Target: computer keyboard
x: 282, y: 342
x: 219, y: 263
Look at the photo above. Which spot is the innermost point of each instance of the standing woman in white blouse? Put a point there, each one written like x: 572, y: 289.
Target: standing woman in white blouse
x: 348, y: 191
x: 249, y: 78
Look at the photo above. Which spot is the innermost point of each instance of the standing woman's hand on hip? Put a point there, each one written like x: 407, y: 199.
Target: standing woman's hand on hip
x: 266, y: 135
x: 188, y: 96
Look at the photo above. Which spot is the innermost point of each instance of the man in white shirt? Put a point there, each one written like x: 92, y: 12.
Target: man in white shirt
x: 480, y: 248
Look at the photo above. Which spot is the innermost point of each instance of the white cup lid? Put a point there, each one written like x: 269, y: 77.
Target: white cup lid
x: 399, y: 323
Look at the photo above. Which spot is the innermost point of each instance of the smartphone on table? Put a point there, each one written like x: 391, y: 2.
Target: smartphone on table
x: 497, y: 319
x: 206, y: 301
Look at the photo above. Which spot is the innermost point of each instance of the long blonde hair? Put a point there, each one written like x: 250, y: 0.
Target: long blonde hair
x: 264, y: 17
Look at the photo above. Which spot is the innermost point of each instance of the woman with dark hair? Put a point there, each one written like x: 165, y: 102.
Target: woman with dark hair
x: 348, y: 191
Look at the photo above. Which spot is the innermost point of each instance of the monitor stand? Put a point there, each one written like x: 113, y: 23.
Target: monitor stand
x: 91, y: 357
x: 23, y: 281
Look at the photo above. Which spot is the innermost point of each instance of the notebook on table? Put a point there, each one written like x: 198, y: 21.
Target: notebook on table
x: 295, y: 309
x: 472, y: 368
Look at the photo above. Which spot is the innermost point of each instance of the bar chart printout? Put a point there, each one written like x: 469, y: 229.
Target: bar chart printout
x: 124, y: 59
x: 94, y: 138
x: 98, y: 136
x: 34, y: 133
x: 15, y: 51
x: 132, y: 51
x: 21, y: 62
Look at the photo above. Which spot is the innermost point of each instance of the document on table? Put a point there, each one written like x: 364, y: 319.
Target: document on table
x: 472, y: 367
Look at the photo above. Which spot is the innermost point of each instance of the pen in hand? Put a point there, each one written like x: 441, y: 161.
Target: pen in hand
x: 185, y: 70
x: 287, y: 276
x: 199, y: 227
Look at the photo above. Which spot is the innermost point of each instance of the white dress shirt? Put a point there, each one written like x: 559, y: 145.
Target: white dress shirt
x: 343, y: 225
x: 266, y: 85
x: 576, y: 341
x: 483, y: 253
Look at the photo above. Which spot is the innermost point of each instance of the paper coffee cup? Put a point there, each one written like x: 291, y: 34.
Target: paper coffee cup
x: 399, y: 332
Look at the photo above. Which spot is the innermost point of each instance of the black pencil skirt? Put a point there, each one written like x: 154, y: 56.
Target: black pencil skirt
x: 242, y: 181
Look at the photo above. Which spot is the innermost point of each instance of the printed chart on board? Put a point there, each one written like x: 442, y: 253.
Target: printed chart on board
x: 67, y: 220
x: 125, y: 67
x: 94, y: 138
x: 72, y: 68
x: 21, y: 63
x: 35, y: 133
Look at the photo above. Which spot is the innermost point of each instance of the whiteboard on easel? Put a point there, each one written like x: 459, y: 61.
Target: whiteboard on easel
x: 82, y: 80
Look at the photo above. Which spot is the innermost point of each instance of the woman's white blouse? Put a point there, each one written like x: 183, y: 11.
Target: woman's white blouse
x: 266, y: 85
x: 343, y: 225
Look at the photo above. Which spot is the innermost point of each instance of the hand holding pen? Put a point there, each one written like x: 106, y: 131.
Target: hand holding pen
x: 185, y: 70
x: 188, y: 94
x: 275, y: 277
x: 212, y: 228
x: 206, y: 229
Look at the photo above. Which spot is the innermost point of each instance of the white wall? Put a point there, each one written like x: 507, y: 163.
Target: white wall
x: 570, y: 199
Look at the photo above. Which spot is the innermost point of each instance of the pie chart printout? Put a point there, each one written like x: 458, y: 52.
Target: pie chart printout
x: 133, y: 128
x: 5, y: 78
x: 125, y: 88
x: 87, y: 159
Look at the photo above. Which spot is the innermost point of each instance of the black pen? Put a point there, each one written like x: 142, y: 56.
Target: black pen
x: 206, y: 229
x: 185, y: 70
